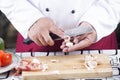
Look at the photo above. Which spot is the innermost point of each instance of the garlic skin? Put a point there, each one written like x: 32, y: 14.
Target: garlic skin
x: 44, y: 67
x: 90, y: 62
x: 90, y: 58
x: 91, y: 65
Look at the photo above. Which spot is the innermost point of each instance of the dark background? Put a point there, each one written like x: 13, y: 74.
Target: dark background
x: 9, y: 33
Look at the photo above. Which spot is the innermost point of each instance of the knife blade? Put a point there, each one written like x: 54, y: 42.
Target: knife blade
x: 71, y: 32
x: 78, y: 31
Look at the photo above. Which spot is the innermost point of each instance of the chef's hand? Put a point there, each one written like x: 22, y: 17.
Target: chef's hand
x: 39, y: 32
x: 81, y: 41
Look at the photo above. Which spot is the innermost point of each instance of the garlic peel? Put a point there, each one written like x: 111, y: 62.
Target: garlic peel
x: 90, y: 62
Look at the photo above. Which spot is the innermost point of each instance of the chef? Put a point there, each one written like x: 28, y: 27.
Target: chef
x: 37, y: 18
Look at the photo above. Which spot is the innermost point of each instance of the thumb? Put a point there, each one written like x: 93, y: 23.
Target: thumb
x: 57, y: 31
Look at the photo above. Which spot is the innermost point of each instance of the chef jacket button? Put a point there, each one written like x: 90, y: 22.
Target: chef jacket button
x: 73, y: 11
x: 47, y: 9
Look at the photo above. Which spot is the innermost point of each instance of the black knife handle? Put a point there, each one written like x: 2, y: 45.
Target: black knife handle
x: 29, y: 41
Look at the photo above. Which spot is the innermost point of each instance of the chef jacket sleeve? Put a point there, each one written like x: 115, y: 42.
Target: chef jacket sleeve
x: 104, y: 16
x: 21, y: 14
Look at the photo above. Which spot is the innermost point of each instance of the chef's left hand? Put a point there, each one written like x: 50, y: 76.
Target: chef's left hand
x: 81, y: 41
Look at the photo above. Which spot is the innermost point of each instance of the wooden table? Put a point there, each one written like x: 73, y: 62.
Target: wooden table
x: 114, y: 56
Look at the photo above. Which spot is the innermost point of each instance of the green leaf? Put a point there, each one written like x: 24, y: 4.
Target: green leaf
x: 2, y: 46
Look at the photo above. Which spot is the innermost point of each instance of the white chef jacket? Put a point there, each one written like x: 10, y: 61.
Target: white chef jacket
x: 103, y: 15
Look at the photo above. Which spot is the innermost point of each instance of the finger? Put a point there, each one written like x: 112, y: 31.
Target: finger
x: 59, y: 32
x: 65, y: 49
x: 34, y: 37
x: 48, y: 40
x: 42, y: 41
x: 81, y: 37
x: 63, y: 45
x: 82, y: 44
x: 37, y: 42
x: 84, y: 41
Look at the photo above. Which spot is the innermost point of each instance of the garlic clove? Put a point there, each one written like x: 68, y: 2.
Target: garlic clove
x: 69, y: 44
x: 67, y: 39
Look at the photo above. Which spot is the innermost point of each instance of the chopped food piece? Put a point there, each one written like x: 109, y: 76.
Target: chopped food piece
x: 30, y: 65
x: 67, y: 39
x: 54, y: 61
x: 90, y: 62
x: 44, y: 67
x: 91, y: 65
x: 68, y: 42
x: 90, y: 57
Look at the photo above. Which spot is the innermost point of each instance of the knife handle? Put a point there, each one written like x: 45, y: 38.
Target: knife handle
x: 29, y: 41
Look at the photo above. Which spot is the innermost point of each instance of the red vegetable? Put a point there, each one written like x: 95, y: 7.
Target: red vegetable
x: 5, y: 58
x: 1, y: 55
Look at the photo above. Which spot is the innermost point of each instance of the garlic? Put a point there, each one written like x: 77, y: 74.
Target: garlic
x: 91, y: 65
x: 67, y: 39
x: 89, y: 58
x: 68, y: 42
x: 44, y: 67
x: 90, y: 62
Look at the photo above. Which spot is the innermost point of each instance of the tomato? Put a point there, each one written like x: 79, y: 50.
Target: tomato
x: 0, y: 63
x: 1, y: 54
x: 6, y: 59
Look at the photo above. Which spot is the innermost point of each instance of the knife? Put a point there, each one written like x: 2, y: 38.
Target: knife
x: 71, y: 32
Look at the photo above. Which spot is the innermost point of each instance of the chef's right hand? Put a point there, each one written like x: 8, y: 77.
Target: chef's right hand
x: 40, y: 30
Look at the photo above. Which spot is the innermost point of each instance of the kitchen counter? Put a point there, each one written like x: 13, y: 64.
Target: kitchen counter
x: 114, y: 56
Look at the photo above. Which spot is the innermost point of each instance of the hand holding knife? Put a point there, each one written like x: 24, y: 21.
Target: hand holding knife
x: 71, y: 32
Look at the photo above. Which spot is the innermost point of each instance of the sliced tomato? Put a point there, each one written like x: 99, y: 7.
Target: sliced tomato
x: 6, y: 59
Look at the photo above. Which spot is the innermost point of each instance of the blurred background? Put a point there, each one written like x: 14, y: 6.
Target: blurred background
x: 9, y: 33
